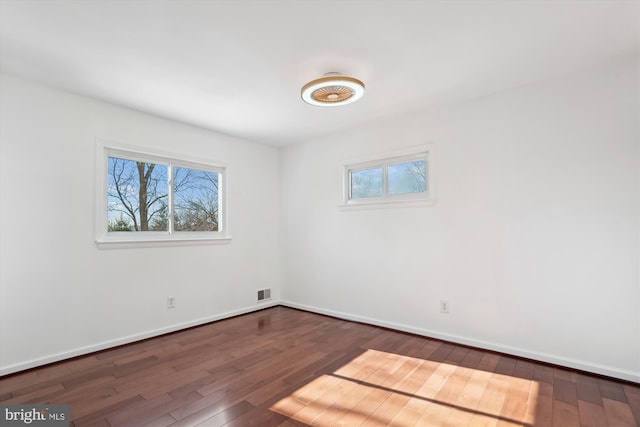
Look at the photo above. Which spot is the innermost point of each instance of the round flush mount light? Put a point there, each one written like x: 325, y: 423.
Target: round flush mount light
x: 332, y: 90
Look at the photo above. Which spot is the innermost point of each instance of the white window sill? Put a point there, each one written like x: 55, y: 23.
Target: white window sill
x: 161, y: 242
x: 386, y: 204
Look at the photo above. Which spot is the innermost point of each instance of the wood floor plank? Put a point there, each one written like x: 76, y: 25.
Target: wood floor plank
x: 254, y: 418
x: 398, y: 388
x: 564, y: 374
x: 376, y: 388
x: 532, y: 403
x: 505, y: 365
x: 457, y: 355
x: 587, y: 390
x: 290, y: 368
x: 435, y: 413
x: 150, y: 410
x: 565, y: 391
x: 515, y: 407
x: 474, y: 389
x: 163, y: 421
x: 101, y: 422
x: 543, y: 374
x: 488, y: 362
x: 36, y: 396
x: 216, y: 414
x: 490, y: 405
x: 330, y: 406
x: 544, y: 404
x: 228, y: 416
x: 205, y: 406
x: 633, y: 397
x: 96, y: 411
x: 618, y: 414
x: 591, y: 414
x: 565, y: 414
x: 612, y: 390
x: 406, y: 417
x: 472, y: 359
x: 387, y: 411
x: 92, y: 389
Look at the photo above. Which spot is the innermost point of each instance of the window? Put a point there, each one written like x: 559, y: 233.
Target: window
x: 158, y: 198
x: 403, y: 177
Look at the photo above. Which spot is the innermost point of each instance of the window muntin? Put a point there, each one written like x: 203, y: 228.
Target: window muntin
x: 148, y: 197
x: 403, y: 177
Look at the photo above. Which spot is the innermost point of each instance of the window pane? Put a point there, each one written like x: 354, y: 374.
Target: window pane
x: 366, y: 183
x: 195, y: 200
x: 137, y: 196
x: 407, y: 177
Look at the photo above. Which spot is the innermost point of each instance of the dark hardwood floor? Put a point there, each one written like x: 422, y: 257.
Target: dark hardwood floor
x: 284, y: 367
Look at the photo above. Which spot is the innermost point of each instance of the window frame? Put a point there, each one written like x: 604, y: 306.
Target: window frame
x: 114, y: 239
x: 424, y: 152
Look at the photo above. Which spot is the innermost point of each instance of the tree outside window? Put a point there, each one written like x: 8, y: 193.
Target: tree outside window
x: 139, y: 195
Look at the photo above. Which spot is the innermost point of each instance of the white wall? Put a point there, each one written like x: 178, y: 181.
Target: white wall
x: 59, y: 294
x: 534, y: 239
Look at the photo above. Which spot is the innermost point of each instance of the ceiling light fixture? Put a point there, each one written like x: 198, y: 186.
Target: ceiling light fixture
x: 332, y: 90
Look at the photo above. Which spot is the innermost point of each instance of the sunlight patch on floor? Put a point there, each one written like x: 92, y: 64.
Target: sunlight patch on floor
x: 380, y: 388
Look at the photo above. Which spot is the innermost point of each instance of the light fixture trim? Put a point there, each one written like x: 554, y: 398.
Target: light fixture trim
x: 329, y: 91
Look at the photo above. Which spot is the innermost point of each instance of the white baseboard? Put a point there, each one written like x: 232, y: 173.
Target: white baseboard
x: 17, y: 367
x: 542, y: 357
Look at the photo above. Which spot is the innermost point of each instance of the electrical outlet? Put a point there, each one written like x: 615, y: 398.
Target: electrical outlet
x: 444, y: 306
x: 171, y: 302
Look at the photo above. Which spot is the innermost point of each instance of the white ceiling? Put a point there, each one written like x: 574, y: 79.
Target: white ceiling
x: 237, y: 66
